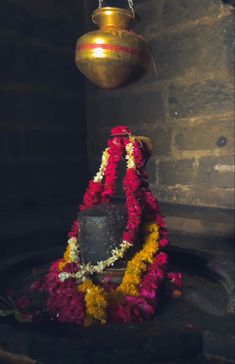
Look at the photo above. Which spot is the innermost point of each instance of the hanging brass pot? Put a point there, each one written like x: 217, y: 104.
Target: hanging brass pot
x: 113, y: 55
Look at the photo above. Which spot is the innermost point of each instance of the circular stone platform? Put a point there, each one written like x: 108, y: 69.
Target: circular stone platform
x: 185, y: 330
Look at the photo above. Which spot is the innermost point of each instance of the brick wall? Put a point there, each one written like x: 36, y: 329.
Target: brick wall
x: 42, y: 118
x: 188, y: 110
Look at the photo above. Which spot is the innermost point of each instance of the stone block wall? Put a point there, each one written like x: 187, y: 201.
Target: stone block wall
x: 42, y: 118
x: 188, y: 109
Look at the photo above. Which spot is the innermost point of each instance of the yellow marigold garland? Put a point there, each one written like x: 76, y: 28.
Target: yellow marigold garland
x: 96, y: 298
x: 138, y: 264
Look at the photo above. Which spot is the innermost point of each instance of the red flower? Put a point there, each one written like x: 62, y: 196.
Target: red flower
x: 52, y: 281
x: 120, y: 130
x: 75, y: 230
x: 132, y: 181
x: 92, y: 195
x: 154, y: 277
x: 115, y: 154
x: 160, y: 221
x: 129, y: 236
x: 161, y: 259
x: 71, y: 268
x: 176, y: 279
x: 133, y: 309
x: 149, y: 289
x: 66, y: 304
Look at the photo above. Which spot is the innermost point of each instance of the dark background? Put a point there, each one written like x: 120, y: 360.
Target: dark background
x: 43, y: 163
x: 54, y: 125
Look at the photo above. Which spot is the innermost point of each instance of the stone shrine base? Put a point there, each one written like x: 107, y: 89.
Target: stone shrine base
x: 195, y: 328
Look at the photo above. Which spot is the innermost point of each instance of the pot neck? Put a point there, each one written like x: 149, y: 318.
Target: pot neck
x: 113, y: 17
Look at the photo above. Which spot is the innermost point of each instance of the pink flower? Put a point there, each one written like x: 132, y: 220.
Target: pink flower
x: 52, y: 281
x: 131, y: 181
x: 152, y: 281
x: 133, y: 309
x: 75, y: 230
x: 66, y: 304
x: 163, y: 242
x: 154, y: 277
x: 149, y: 290
x: 71, y: 268
x: 129, y: 236
x: 92, y: 195
x: 55, y: 266
x: 115, y: 154
x: 120, y: 130
x: 176, y: 279
x: 160, y: 221
x: 161, y: 258
x: 151, y: 202
x: 139, y: 159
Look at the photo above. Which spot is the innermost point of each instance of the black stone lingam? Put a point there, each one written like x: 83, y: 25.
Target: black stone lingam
x: 101, y: 230
x: 102, y: 226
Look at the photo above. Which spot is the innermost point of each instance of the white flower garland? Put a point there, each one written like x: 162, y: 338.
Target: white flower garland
x: 89, y: 269
x: 130, y: 158
x: 74, y: 250
x: 104, y: 162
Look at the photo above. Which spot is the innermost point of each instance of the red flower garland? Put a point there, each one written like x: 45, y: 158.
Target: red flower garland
x: 154, y: 277
x: 115, y: 155
x: 65, y: 302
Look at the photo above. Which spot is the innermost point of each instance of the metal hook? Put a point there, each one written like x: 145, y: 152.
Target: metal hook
x: 130, y: 3
x: 131, y: 6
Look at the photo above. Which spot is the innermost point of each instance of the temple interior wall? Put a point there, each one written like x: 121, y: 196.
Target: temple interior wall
x: 187, y: 110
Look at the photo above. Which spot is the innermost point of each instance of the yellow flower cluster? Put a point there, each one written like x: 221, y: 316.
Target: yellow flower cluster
x: 70, y: 254
x: 61, y: 265
x: 95, y: 300
x: 138, y: 265
x: 67, y: 253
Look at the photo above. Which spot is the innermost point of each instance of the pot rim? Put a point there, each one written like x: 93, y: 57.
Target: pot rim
x: 113, y: 9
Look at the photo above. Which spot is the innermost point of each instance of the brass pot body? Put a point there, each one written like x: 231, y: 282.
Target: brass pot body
x: 113, y: 55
